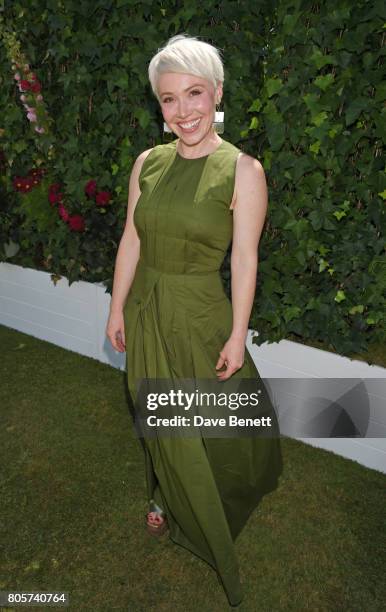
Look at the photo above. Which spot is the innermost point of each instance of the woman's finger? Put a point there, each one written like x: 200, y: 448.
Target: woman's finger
x: 220, y: 362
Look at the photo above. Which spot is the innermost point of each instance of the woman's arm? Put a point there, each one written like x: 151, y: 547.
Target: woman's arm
x: 126, y: 261
x: 248, y: 220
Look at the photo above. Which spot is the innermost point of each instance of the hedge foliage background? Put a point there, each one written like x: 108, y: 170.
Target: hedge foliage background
x: 303, y: 93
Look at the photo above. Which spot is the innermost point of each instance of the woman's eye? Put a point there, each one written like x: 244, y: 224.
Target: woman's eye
x: 195, y: 92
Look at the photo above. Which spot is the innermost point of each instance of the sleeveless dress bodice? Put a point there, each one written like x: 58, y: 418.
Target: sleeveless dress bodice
x: 177, y: 319
x: 190, y: 227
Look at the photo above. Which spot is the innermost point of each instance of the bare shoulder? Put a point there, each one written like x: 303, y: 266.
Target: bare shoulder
x: 140, y: 159
x: 136, y: 171
x: 249, y: 172
x: 248, y: 166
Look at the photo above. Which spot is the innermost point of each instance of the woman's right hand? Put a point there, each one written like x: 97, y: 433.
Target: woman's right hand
x: 115, y: 331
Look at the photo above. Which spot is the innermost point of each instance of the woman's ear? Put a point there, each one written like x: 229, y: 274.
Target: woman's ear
x: 219, y: 92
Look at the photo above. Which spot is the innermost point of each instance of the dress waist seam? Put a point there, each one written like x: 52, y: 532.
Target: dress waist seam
x: 144, y: 265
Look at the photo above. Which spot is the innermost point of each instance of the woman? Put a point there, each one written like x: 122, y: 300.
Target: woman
x: 188, y: 200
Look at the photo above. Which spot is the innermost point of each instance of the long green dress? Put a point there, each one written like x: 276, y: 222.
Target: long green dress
x: 177, y: 319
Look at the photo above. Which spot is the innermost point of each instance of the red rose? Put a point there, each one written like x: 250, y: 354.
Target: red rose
x: 90, y: 188
x: 22, y: 183
x: 102, y: 198
x: 26, y: 185
x: 17, y: 183
x: 38, y: 172
x: 63, y: 212
x: 33, y: 76
x: 53, y: 197
x: 24, y: 84
x: 76, y: 223
x: 35, y: 87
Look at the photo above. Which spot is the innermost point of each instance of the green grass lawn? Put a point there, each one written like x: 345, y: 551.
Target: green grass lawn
x: 73, y: 503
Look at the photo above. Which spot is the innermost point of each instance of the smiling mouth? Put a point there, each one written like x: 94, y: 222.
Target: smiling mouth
x: 189, y: 124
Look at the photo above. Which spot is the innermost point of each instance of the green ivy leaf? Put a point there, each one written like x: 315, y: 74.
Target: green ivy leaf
x: 339, y: 214
x: 323, y: 264
x: 324, y: 82
x: 355, y: 108
x: 273, y: 86
x: 255, y: 106
x: 382, y: 194
x: 291, y: 313
x: 357, y: 309
x: 340, y: 296
x: 315, y: 147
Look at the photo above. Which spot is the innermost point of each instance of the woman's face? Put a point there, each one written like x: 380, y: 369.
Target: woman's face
x: 188, y: 103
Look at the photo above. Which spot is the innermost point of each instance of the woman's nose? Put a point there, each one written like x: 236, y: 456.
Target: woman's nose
x: 183, y: 108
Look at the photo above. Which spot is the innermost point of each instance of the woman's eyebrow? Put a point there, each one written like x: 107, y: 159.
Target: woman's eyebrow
x: 170, y: 92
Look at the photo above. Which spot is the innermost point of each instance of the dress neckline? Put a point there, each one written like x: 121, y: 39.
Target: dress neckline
x: 202, y: 156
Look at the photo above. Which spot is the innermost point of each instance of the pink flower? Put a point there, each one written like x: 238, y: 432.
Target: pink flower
x: 17, y: 76
x: 63, y: 212
x: 31, y: 117
x: 103, y: 198
x: 40, y: 130
x: 23, y: 98
x: 76, y: 223
x: 39, y: 97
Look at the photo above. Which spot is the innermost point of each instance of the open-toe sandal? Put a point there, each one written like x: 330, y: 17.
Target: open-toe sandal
x: 156, y: 523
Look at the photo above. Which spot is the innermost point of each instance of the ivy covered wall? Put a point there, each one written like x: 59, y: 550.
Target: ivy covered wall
x: 303, y: 93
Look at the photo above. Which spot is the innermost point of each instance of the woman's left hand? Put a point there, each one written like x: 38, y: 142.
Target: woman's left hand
x: 232, y: 355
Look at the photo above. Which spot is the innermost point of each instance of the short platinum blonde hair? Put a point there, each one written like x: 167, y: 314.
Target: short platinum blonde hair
x: 188, y: 55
